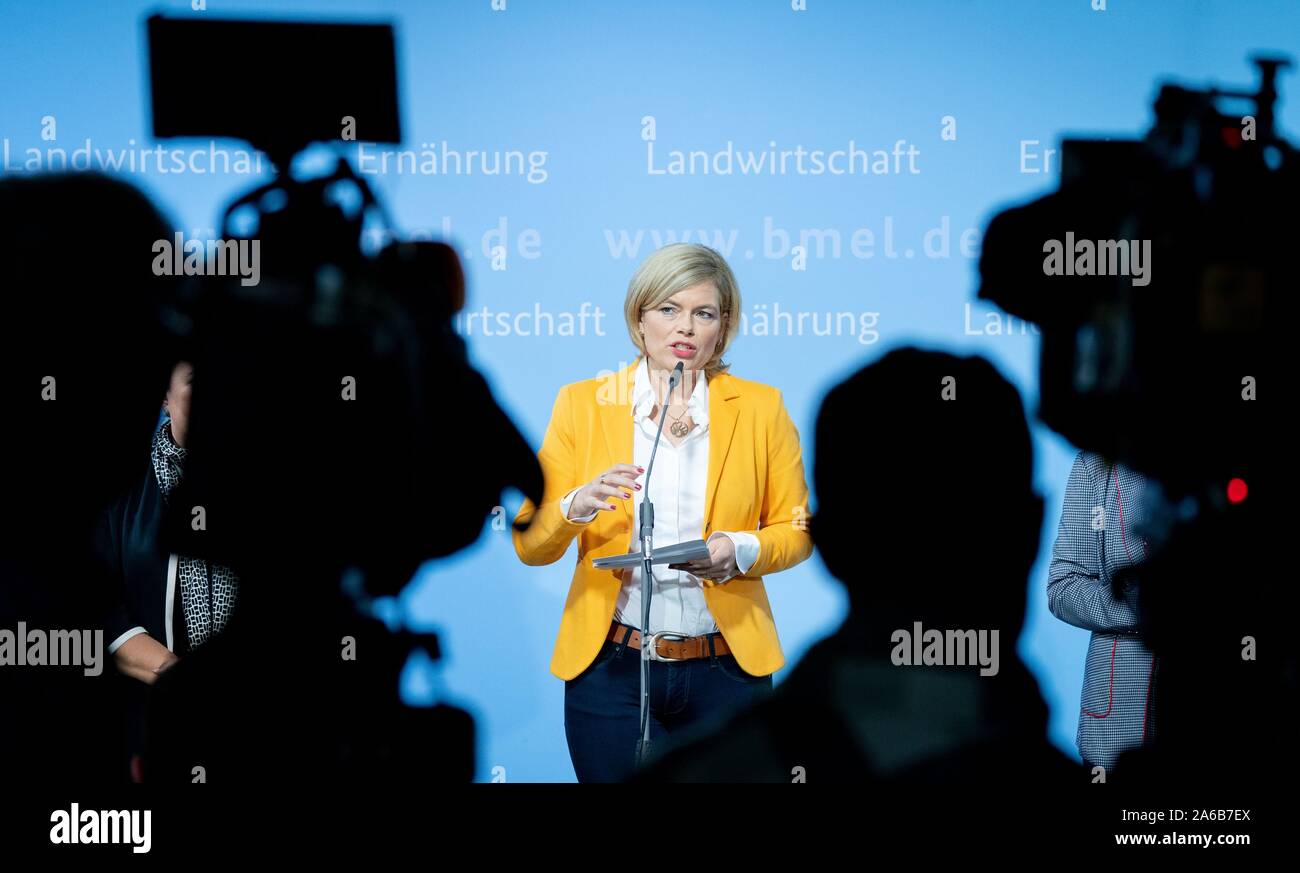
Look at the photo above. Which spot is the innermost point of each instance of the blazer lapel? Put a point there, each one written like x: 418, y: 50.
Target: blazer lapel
x: 723, y: 411
x: 614, y: 399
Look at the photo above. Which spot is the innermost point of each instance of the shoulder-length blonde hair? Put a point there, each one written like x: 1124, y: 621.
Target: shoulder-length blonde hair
x: 669, y: 270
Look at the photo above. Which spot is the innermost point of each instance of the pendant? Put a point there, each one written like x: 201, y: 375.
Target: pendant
x: 680, y: 429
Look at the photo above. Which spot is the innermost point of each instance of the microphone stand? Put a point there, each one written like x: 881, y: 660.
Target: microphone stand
x: 647, y: 579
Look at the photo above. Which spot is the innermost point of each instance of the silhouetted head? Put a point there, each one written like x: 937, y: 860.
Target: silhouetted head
x: 83, y: 353
x: 925, y: 507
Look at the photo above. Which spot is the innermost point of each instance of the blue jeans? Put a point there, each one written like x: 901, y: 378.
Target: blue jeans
x: 602, y: 705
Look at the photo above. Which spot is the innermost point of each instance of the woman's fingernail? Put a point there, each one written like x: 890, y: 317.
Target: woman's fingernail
x: 611, y: 506
x: 627, y: 495
x: 638, y: 486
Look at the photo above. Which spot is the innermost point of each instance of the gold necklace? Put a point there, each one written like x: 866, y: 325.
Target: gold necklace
x: 679, y: 428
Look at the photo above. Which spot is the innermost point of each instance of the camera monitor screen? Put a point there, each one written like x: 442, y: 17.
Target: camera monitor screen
x: 279, y: 85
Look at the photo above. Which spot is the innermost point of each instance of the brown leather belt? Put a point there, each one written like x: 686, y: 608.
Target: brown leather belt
x: 669, y: 646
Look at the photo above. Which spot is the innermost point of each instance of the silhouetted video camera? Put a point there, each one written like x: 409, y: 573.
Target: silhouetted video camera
x: 1133, y: 365
x: 337, y: 428
x: 1161, y: 275
x: 334, y: 404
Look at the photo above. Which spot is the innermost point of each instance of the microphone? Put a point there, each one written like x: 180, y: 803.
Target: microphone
x: 647, y: 547
x: 647, y: 508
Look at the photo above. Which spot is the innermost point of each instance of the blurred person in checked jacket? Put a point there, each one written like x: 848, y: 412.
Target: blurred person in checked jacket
x: 1095, y: 540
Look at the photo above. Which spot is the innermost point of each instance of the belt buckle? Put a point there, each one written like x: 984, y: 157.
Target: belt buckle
x: 653, y: 648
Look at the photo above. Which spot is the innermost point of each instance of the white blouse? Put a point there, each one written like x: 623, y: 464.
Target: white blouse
x: 678, y: 485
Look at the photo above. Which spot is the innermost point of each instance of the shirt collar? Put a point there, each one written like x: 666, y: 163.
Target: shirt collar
x: 643, y: 396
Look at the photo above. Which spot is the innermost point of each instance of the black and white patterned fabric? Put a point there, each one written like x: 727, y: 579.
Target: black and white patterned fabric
x: 1095, y: 539
x: 208, y: 590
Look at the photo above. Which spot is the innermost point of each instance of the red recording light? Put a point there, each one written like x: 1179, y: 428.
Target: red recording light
x: 1237, y: 490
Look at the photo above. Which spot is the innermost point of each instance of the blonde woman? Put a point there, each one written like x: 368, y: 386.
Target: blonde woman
x: 729, y: 470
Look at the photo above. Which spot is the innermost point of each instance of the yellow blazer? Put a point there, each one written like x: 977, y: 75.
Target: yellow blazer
x: 756, y: 484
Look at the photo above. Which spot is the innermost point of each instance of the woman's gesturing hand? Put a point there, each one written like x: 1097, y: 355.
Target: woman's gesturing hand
x: 618, y: 481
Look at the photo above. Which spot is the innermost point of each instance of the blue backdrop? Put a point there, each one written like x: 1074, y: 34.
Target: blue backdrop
x: 579, y: 107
